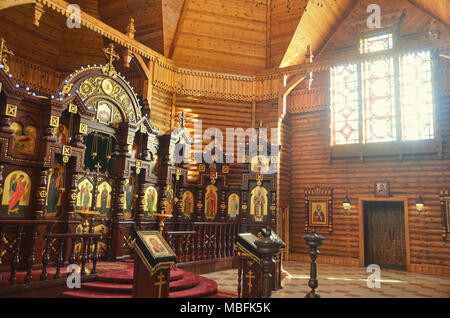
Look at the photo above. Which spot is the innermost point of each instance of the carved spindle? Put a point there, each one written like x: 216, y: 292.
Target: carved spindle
x: 240, y: 277
x: 185, y: 246
x: 84, y: 256
x: 73, y: 257
x: 178, y: 243
x: 16, y: 257
x: 31, y: 258
x: 229, y: 240
x: 2, y: 238
x: 95, y: 256
x: 215, y: 239
x: 218, y: 240
x: 60, y: 259
x: 45, y: 258
x: 46, y: 255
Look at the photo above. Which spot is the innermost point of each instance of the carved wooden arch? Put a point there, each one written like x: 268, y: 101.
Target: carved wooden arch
x: 96, y: 82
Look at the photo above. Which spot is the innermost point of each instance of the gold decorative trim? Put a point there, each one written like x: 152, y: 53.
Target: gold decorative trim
x: 83, y: 129
x: 152, y: 270
x: 242, y: 251
x: 11, y: 110
x: 54, y: 121
x: 73, y: 108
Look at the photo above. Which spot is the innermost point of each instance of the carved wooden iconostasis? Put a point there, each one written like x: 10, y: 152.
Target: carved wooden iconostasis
x: 88, y: 152
x: 86, y: 149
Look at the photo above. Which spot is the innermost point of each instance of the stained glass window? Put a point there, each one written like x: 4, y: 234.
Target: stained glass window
x: 376, y: 43
x: 416, y: 96
x: 379, y: 100
x: 344, y: 103
x: 384, y: 99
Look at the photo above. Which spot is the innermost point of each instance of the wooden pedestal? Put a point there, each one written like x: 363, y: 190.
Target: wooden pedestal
x: 146, y: 285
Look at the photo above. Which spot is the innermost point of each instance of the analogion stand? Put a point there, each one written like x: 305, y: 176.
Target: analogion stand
x: 152, y: 267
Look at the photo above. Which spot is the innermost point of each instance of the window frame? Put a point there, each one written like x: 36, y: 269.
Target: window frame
x: 398, y: 146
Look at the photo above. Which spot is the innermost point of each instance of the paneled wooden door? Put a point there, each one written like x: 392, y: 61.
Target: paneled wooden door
x: 384, y: 234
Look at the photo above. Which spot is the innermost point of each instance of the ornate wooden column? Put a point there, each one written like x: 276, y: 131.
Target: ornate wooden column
x: 199, y: 214
x: 223, y: 206
x: 41, y: 195
x: 139, y: 217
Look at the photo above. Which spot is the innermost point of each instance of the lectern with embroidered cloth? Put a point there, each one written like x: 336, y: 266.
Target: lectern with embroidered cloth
x: 154, y: 259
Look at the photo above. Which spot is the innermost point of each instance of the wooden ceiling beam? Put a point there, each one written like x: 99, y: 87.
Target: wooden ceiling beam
x: 339, y: 25
x: 268, y: 33
x: 430, y: 12
x: 178, y: 28
x: 12, y: 3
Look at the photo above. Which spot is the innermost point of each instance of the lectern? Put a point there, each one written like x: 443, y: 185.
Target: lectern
x: 276, y: 271
x: 257, y: 265
x: 154, y: 259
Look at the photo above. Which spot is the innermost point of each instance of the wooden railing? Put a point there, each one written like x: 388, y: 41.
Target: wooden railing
x: 88, y: 252
x: 14, y: 245
x: 182, y: 243
x: 18, y: 248
x: 203, y: 241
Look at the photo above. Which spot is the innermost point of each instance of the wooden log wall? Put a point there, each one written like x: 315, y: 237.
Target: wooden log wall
x: 310, y: 166
x: 216, y: 113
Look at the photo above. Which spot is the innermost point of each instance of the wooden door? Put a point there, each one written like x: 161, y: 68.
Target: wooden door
x: 384, y: 234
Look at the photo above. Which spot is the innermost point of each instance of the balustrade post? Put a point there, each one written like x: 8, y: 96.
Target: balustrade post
x: 45, y: 258
x: 16, y: 257
x: 95, y: 256
x: 60, y: 259
x: 219, y: 241
x: 73, y: 257
x: 215, y: 238
x: 2, y: 238
x: 84, y: 256
x: 31, y: 258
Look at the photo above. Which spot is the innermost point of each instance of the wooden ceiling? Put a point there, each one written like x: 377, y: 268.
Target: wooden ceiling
x: 51, y: 44
x: 225, y: 35
x: 229, y: 36
x: 440, y: 9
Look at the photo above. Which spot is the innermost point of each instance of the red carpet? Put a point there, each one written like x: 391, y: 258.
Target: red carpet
x: 118, y: 283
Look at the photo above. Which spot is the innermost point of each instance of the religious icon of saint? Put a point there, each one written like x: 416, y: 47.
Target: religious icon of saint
x: 211, y: 203
x: 129, y: 196
x: 17, y: 190
x: 234, y: 205
x: 104, y: 201
x: 151, y: 201
x: 23, y: 141
x: 259, y: 202
x: 156, y: 245
x: 318, y: 215
x: 53, y: 190
x: 169, y: 196
x: 381, y: 189
x: 104, y: 113
x: 86, y: 197
x: 187, y: 205
x: 61, y: 137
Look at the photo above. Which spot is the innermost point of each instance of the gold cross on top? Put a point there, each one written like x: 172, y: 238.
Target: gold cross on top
x: 111, y: 55
x: 98, y: 166
x: 183, y: 119
x: 4, y: 52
